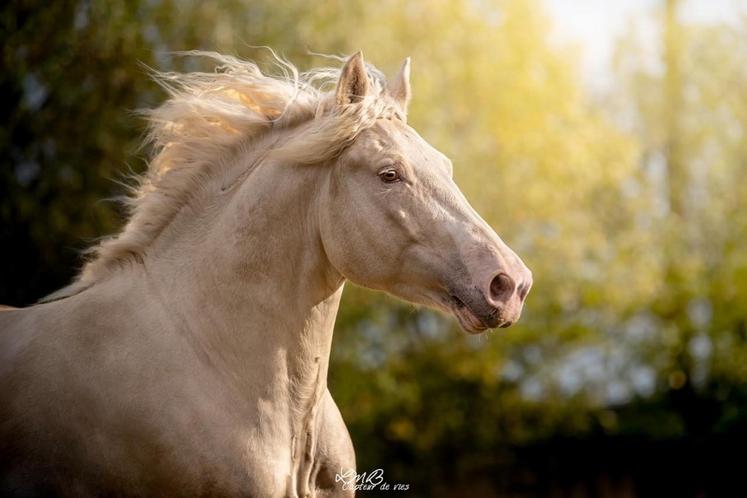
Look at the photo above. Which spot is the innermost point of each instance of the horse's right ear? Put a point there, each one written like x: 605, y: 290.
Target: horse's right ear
x: 399, y: 89
x: 353, y: 84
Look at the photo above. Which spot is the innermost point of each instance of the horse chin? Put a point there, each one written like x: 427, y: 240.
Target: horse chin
x: 466, y: 318
x: 451, y: 304
x: 470, y: 322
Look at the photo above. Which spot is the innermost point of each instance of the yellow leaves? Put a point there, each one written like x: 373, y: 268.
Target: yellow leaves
x: 677, y: 379
x: 401, y: 429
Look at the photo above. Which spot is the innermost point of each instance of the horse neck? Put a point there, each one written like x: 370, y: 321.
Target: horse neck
x: 256, y: 292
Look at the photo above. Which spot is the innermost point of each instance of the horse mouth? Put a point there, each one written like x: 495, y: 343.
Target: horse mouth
x: 466, y: 317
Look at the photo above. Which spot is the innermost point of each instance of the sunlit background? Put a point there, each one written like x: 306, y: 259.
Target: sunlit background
x: 604, y: 141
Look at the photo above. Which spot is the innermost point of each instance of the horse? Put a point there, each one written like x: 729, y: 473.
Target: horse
x: 190, y: 354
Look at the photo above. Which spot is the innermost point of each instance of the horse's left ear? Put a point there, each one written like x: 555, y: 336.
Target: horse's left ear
x: 399, y: 89
x: 353, y: 84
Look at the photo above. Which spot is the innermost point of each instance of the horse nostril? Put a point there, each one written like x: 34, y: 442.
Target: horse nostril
x: 502, y: 288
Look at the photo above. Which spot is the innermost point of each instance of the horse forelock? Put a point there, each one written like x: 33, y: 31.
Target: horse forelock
x: 204, y: 118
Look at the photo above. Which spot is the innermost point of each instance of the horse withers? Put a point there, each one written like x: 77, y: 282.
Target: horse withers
x: 190, y: 355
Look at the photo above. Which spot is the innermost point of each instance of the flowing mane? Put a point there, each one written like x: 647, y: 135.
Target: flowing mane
x: 207, y: 116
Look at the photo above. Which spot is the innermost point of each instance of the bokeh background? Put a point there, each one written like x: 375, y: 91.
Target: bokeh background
x: 604, y: 141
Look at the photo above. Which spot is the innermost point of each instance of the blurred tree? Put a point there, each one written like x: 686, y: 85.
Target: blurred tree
x: 65, y: 93
x: 688, y: 114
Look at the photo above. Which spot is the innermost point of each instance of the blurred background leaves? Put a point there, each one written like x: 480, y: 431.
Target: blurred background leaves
x: 625, y: 377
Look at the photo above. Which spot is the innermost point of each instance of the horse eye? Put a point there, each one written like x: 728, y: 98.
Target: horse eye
x: 389, y: 176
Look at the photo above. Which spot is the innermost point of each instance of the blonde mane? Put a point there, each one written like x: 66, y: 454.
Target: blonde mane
x: 203, y: 120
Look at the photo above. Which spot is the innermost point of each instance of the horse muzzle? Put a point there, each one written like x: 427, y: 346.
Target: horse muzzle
x: 499, y: 305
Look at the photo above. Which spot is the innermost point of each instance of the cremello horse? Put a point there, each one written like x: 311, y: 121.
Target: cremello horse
x: 190, y: 355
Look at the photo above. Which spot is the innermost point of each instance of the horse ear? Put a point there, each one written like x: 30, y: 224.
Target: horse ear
x: 353, y: 84
x: 399, y: 90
